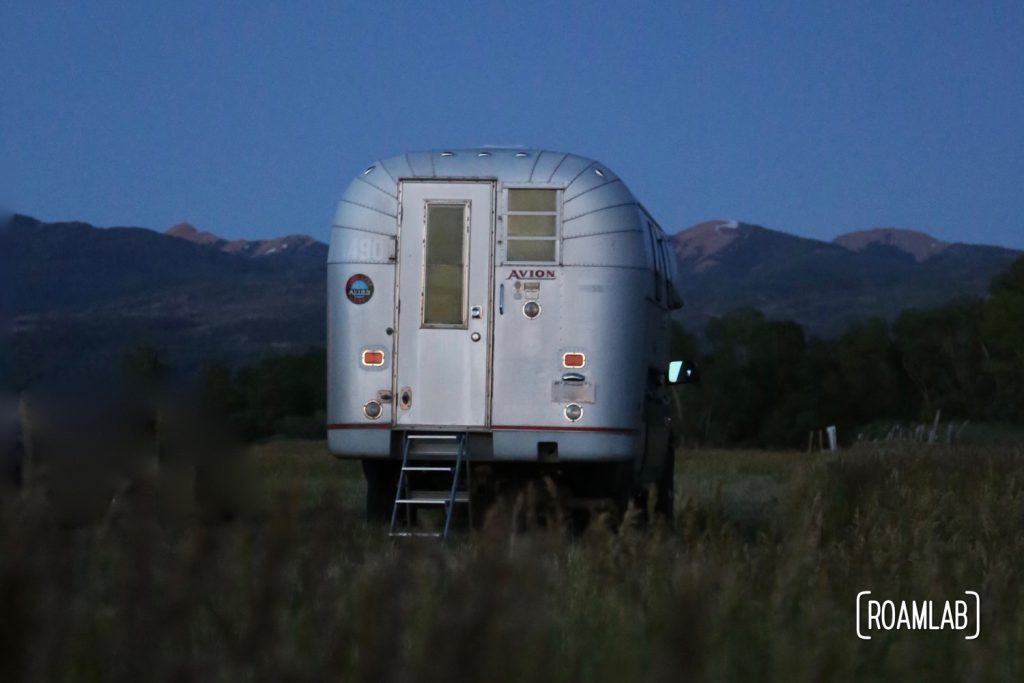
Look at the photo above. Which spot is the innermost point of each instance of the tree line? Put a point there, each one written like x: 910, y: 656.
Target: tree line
x: 279, y: 396
x: 765, y: 383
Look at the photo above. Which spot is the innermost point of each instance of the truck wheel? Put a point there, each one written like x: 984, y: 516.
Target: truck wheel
x: 381, y: 486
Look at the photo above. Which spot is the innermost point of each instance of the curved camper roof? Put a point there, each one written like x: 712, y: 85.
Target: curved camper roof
x: 596, y: 204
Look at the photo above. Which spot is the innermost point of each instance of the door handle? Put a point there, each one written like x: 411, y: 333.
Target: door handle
x: 501, y: 299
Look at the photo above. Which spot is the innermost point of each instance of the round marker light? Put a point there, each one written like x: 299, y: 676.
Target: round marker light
x: 573, y: 412
x: 372, y: 409
x: 531, y: 309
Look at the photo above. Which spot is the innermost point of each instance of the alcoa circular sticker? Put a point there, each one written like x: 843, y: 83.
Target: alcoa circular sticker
x: 359, y: 288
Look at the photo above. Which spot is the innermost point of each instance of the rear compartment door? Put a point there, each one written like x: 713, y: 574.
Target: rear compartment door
x: 444, y: 274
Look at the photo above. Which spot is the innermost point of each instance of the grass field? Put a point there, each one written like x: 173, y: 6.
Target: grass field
x: 757, y: 580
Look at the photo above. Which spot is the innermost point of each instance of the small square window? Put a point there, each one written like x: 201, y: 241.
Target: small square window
x: 532, y: 226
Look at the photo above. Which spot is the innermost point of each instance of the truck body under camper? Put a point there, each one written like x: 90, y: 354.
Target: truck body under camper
x: 521, y: 298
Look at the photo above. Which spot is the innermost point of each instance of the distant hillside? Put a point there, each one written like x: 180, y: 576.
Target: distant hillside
x: 918, y: 244
x: 80, y: 295
x: 826, y: 286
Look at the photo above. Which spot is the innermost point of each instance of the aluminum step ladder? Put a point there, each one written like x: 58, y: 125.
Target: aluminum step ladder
x: 408, y: 497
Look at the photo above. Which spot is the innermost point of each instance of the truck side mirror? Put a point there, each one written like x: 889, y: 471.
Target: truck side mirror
x: 682, y: 372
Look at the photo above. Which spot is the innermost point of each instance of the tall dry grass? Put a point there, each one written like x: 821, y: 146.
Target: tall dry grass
x: 757, y: 580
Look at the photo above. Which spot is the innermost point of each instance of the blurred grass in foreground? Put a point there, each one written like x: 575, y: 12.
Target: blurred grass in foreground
x: 756, y: 581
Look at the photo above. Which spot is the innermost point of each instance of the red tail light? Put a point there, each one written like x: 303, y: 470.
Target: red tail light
x: 574, y: 360
x: 373, y: 358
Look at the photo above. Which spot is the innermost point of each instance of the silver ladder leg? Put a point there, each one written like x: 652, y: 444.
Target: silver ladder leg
x: 400, y: 489
x: 450, y: 507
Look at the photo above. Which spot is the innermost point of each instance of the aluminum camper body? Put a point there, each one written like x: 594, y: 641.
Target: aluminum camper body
x: 437, y: 262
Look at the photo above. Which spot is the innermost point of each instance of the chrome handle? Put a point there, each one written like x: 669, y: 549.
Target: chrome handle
x: 501, y: 299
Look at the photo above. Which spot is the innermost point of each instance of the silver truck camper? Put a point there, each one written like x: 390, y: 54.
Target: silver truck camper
x: 494, y: 312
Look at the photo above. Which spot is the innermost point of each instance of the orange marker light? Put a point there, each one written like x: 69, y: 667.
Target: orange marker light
x: 373, y: 358
x: 574, y: 360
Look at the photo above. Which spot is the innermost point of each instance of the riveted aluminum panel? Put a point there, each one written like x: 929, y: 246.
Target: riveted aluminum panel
x: 363, y: 217
x: 378, y: 176
x: 606, y: 194
x: 421, y: 163
x: 592, y: 177
x: 469, y: 164
x: 599, y: 309
x: 621, y: 249
x: 544, y: 164
x: 371, y: 197
x: 352, y: 328
x: 599, y: 191
x: 598, y: 219
x: 397, y: 167
x: 571, y: 168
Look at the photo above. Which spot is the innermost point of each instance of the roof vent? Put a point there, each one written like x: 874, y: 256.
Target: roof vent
x: 369, y: 170
x: 447, y: 154
x: 522, y: 154
x: 599, y: 172
x: 483, y: 154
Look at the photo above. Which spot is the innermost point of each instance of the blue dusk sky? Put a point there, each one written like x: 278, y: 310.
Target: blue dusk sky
x: 249, y: 118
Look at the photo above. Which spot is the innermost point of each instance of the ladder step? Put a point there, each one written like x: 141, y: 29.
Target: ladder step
x: 419, y: 468
x: 434, y: 437
x: 424, y: 534
x: 432, y: 451
x: 434, y: 497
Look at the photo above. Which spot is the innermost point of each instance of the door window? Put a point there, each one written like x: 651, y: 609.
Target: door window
x: 444, y: 271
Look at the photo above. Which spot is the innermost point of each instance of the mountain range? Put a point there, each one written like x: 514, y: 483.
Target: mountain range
x: 75, y: 296
x: 78, y: 296
x: 825, y: 286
